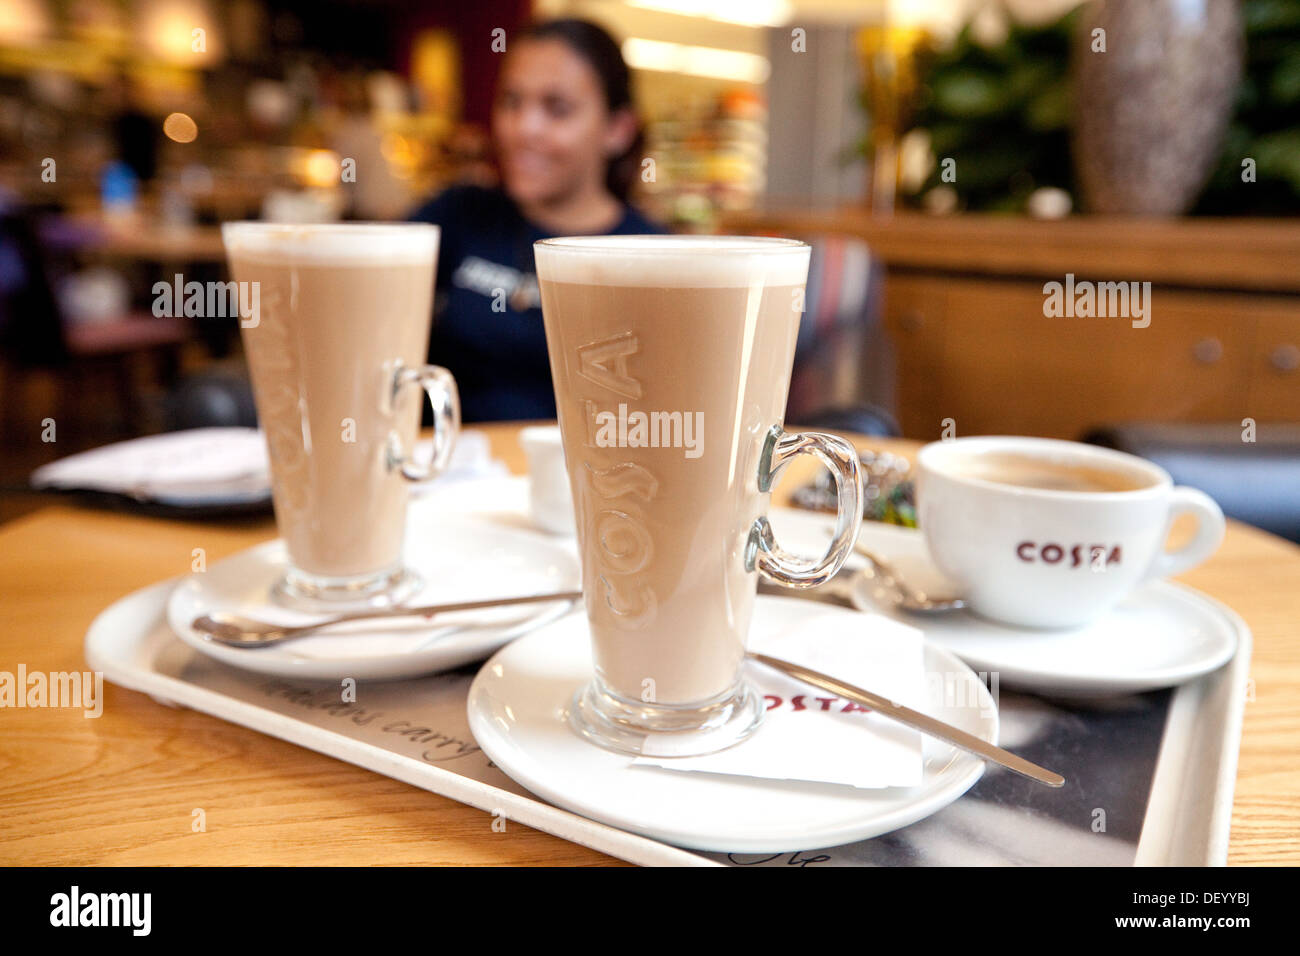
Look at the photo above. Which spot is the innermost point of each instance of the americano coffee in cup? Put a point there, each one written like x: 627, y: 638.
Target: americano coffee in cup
x: 1022, y: 470
x: 1043, y: 533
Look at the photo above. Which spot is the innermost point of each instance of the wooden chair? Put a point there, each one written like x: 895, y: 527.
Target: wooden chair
x: 843, y: 366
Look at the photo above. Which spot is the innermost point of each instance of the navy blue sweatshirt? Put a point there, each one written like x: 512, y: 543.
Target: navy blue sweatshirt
x: 487, y: 322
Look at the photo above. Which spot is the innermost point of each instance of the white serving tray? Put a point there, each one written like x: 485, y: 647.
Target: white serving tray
x: 134, y: 648
x: 1183, y: 795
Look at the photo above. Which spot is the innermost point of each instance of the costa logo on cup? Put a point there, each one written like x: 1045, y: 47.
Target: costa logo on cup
x: 1042, y: 533
x: 1074, y: 556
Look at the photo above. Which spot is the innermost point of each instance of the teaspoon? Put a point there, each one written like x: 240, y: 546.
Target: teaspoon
x: 892, y: 589
x: 898, y: 592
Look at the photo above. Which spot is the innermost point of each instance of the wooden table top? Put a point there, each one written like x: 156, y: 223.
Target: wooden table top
x: 120, y: 789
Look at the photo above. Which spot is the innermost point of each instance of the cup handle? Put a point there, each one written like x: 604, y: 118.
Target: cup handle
x: 439, y: 385
x: 762, y: 551
x: 1209, y: 532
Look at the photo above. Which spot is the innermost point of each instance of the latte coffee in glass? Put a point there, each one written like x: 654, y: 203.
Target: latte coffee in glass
x: 342, y: 330
x: 671, y: 358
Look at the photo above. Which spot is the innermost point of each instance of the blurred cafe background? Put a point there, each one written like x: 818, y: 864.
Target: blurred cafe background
x: 947, y: 159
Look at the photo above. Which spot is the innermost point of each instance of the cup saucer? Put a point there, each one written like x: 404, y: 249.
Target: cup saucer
x: 1161, y: 635
x: 458, y: 559
x: 517, y: 711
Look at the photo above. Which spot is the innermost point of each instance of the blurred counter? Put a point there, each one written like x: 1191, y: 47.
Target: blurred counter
x: 966, y: 303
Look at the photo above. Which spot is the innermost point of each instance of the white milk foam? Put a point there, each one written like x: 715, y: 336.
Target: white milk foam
x: 334, y: 244
x: 700, y: 262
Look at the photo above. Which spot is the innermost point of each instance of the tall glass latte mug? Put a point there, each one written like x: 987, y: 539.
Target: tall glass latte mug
x: 336, y: 348
x: 671, y: 358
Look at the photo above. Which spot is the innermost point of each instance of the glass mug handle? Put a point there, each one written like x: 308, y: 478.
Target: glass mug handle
x: 841, y: 458
x: 439, y: 385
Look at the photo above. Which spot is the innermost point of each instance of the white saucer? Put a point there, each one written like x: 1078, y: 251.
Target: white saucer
x: 517, y: 706
x: 460, y: 559
x: 1163, y: 634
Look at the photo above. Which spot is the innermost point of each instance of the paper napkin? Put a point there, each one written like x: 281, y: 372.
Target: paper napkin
x: 199, y: 463
x: 470, y: 459
x: 813, y: 735
x: 203, y: 464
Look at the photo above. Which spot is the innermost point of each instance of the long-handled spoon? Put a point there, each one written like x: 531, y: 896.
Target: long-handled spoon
x: 236, y: 630
x: 914, y: 718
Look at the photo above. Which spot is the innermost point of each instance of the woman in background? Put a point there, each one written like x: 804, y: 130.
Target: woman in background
x: 568, y: 143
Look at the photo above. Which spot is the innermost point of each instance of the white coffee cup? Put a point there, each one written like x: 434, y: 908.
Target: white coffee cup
x: 1053, y: 557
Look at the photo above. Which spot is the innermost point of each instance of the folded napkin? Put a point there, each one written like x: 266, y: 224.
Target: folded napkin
x: 811, y: 734
x: 471, y: 459
x: 195, y: 465
x: 215, y: 464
